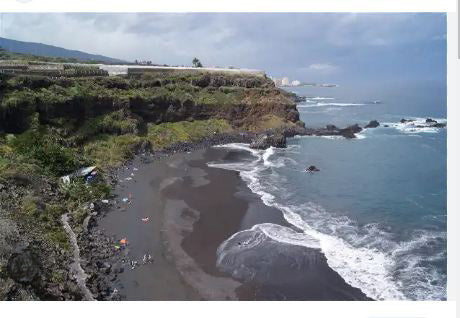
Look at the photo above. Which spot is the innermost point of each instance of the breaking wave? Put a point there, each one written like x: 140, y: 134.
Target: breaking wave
x: 320, y: 104
x: 415, y: 126
x: 367, y: 257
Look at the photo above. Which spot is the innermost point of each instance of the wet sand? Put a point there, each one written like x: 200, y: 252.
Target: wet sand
x: 192, y: 209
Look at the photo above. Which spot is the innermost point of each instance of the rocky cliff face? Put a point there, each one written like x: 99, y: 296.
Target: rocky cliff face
x: 247, y: 102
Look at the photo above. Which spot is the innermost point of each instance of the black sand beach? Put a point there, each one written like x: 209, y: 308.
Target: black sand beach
x: 191, y: 209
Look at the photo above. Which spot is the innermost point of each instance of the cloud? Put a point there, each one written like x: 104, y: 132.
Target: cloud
x: 279, y: 43
x: 322, y: 67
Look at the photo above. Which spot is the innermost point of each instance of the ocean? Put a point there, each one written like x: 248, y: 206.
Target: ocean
x: 377, y: 209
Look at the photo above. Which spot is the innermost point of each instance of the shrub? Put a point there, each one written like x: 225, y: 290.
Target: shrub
x: 53, y: 157
x: 166, y: 134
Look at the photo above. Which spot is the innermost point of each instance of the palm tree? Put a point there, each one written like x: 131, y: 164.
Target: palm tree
x: 196, y: 62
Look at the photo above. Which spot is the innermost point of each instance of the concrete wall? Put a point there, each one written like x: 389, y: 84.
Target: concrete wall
x: 134, y: 69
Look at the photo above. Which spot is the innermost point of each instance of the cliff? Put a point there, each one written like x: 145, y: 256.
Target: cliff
x: 247, y: 102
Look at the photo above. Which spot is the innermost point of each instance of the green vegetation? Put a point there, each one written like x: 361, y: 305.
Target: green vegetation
x: 42, y: 148
x: 108, y: 151
x: 167, y: 134
x: 45, y: 218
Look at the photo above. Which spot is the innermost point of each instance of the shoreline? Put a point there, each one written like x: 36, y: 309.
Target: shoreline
x: 191, y: 210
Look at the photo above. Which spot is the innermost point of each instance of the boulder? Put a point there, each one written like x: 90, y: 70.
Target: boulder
x: 372, y: 124
x: 23, y: 267
x: 429, y: 120
x: 312, y: 169
x: 263, y: 142
x: 350, y: 131
x: 331, y: 127
x: 403, y: 121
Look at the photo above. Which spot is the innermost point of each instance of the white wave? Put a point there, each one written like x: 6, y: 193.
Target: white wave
x: 365, y: 257
x: 241, y: 254
x: 319, y: 104
x: 319, y: 110
x: 364, y: 268
x: 277, y: 233
x: 340, y: 104
x: 361, y: 134
x: 322, y: 98
x: 266, y: 156
x: 240, y: 146
x: 332, y: 137
x: 418, y: 125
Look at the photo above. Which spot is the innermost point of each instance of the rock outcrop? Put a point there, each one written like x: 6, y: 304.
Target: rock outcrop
x: 265, y: 141
x: 372, y: 124
x: 429, y: 122
x: 350, y: 131
x: 23, y: 267
x: 332, y: 130
x: 312, y: 169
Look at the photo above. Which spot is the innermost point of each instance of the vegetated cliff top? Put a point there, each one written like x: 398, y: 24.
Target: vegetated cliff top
x: 243, y: 100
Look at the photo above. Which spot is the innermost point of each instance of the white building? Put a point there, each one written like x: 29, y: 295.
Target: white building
x: 295, y: 83
x: 277, y: 81
x: 285, y: 81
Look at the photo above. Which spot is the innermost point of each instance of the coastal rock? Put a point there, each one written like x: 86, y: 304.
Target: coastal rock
x: 23, y: 267
x: 350, y: 131
x: 429, y: 120
x: 266, y: 141
x: 312, y: 169
x: 298, y: 130
x: 300, y: 99
x: 372, y: 124
x: 403, y: 121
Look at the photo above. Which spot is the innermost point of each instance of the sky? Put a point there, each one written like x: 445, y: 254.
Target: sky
x: 311, y: 47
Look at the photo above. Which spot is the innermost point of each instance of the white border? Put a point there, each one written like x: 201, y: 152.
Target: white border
x: 220, y: 309
x: 279, y: 309
x: 453, y: 157
x: 228, y: 6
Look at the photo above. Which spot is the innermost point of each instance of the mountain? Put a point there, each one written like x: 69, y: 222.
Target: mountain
x: 51, y: 50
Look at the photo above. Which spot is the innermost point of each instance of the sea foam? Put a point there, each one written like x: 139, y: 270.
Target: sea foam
x: 366, y: 257
x: 419, y: 125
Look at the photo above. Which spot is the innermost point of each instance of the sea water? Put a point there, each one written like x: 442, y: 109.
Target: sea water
x: 377, y: 208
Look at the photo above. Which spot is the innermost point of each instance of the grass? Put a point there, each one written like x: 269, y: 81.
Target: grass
x: 21, y: 96
x: 166, y: 134
x: 117, y: 123
x: 109, y: 151
x: 45, y: 219
x: 44, y: 149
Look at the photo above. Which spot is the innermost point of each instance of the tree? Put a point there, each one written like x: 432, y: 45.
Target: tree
x: 196, y: 62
